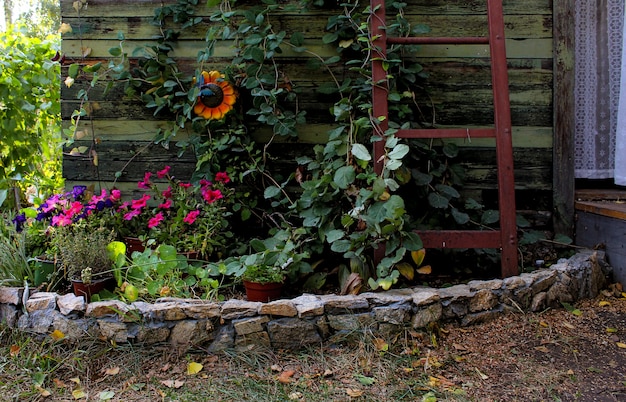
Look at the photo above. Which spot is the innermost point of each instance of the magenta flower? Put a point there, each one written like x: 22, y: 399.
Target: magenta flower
x: 210, y: 196
x: 146, y: 181
x: 222, y: 177
x: 163, y: 173
x: 155, y: 220
x: 167, y: 193
x: 191, y: 217
x: 131, y: 214
x: 75, y: 208
x: 116, y: 195
x: 167, y: 204
x: 140, y: 203
x: 61, y: 220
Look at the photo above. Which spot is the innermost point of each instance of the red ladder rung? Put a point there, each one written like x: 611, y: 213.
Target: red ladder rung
x: 442, y: 40
x: 460, y: 238
x: 468, y: 133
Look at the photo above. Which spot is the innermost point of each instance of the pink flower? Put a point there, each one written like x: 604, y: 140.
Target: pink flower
x: 205, y: 183
x: 185, y: 185
x: 155, y: 220
x: 116, y: 195
x: 146, y: 181
x: 191, y: 217
x: 166, y: 205
x: 222, y: 177
x: 167, y: 193
x: 61, y: 220
x: 131, y: 214
x: 140, y: 203
x: 75, y: 208
x: 163, y: 173
x: 210, y: 196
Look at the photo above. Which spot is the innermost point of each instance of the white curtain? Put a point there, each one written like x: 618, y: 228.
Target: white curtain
x: 599, y: 70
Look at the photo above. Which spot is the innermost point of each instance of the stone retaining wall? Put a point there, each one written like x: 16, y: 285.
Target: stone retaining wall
x: 305, y: 320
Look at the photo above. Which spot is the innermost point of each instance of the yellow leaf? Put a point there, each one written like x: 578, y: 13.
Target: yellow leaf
x: 345, y: 43
x: 57, y: 335
x: 43, y: 392
x: 65, y: 28
x: 406, y: 270
x: 380, y: 345
x: 193, y: 368
x: 604, y: 303
x: 79, y: 394
x: 577, y: 312
x: 354, y: 393
x: 544, y: 324
x: 621, y: 345
x: 69, y: 81
x: 611, y: 330
x: 86, y: 51
x: 384, y: 196
x: 418, y: 256
x: 75, y: 380
x: 425, y: 270
x: 112, y: 371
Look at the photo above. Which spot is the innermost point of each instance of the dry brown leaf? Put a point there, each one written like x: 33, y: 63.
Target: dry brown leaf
x: 544, y: 324
x: 58, y: 383
x: 568, y: 325
x: 425, y: 270
x: 328, y: 373
x: 173, y: 383
x: 15, y: 350
x: 380, y: 344
x: 285, y: 376
x: 112, y: 371
x: 165, y: 367
x: 354, y: 393
x: 42, y: 391
x: 482, y: 376
x: 542, y: 349
x: 456, y: 346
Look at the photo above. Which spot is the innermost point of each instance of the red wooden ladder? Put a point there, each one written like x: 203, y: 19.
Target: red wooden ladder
x: 504, y: 238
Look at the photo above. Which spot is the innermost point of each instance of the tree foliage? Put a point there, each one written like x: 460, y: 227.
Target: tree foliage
x: 29, y: 112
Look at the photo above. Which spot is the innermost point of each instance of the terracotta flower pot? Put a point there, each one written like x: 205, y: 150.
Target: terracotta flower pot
x: 133, y: 244
x: 263, y: 292
x: 96, y: 286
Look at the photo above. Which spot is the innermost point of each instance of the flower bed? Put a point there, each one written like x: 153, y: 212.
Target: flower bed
x: 304, y: 320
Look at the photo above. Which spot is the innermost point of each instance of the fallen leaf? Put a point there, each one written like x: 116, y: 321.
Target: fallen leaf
x: 285, y: 376
x: 544, y: 324
x: 328, y: 373
x: 568, y: 325
x: 425, y: 270
x: 456, y: 346
x: 621, y: 345
x: 58, y: 383
x: 354, y: 393
x: 577, y: 312
x: 542, y: 349
x: 15, y: 350
x: 79, y: 394
x: 364, y: 379
x: 611, y: 330
x: 194, y: 368
x: 482, y: 376
x: 429, y: 397
x: 106, y: 395
x: 570, y: 372
x: 112, y: 371
x: 295, y: 396
x: 380, y: 344
x: 165, y: 367
x: 57, y: 335
x: 75, y: 380
x: 604, y: 303
x: 173, y: 383
x: 276, y: 367
x: 42, y: 391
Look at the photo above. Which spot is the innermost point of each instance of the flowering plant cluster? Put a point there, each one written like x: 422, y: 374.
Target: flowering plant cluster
x: 190, y: 217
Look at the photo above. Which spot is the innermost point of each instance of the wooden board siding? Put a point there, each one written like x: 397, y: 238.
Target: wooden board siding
x: 458, y: 86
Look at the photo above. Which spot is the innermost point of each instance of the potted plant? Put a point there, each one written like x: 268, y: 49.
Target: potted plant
x: 85, y: 258
x: 262, y: 282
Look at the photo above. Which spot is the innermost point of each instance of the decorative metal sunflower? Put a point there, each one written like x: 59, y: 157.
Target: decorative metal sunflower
x: 216, y: 98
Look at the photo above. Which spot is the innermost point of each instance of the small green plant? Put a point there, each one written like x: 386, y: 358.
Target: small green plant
x: 15, y: 269
x: 83, y: 249
x: 263, y: 274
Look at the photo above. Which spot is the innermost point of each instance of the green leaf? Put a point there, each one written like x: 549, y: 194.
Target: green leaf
x: 344, y: 176
x: 451, y: 150
x: 399, y: 151
x: 361, y: 152
x: 334, y: 235
x: 271, y: 192
x: 106, y: 395
x: 341, y: 246
x: 297, y: 39
x: 459, y: 217
x: 365, y: 380
x: 411, y: 241
x: 559, y: 238
x: 315, y: 281
x: 72, y: 71
x: 437, y: 201
x: 490, y: 216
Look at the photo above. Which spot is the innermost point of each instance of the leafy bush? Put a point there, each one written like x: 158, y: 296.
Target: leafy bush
x: 30, y: 114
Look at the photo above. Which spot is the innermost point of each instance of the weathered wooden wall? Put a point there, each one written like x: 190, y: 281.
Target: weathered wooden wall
x: 459, y: 85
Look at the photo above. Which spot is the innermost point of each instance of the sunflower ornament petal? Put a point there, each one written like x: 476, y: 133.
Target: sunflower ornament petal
x: 217, y: 96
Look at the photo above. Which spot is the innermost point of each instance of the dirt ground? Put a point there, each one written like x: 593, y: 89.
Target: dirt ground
x: 573, y: 354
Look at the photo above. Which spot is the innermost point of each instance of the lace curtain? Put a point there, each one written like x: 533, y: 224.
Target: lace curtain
x: 600, y: 116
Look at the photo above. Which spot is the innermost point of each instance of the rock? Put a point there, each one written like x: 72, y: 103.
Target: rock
x: 539, y: 301
x: 39, y: 321
x: 477, y: 318
x: 559, y: 293
x: 8, y: 314
x: 233, y: 309
x: 493, y: 284
x: 279, y: 308
x: 247, y: 326
x: 514, y: 282
x: 388, y: 297
x: 425, y: 296
x: 352, y: 322
x: 201, y: 311
x: 541, y: 279
x: 308, y: 305
x: 153, y: 333
x: 11, y: 295
x: 224, y: 339
x: 398, y: 313
x: 74, y: 328
x: 41, y: 301
x: 191, y: 332
x: 70, y: 303
x: 335, y: 304
x: 484, y: 299
x: 426, y: 315
x: 250, y: 341
x: 170, y: 311
x: 112, y: 329
x: 292, y: 333
x: 455, y: 309
x: 453, y: 293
